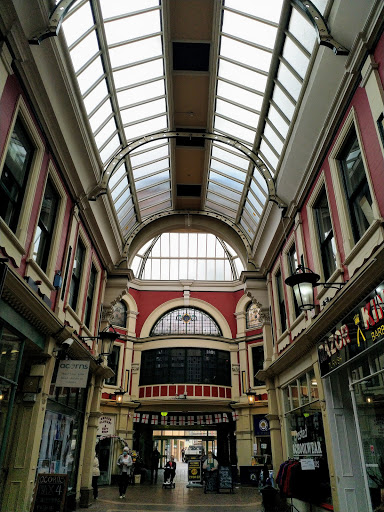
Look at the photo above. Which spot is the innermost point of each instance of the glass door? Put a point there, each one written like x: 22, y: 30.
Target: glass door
x: 367, y: 385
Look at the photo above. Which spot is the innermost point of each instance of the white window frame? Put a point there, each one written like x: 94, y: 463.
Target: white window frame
x: 276, y: 305
x: 292, y: 321
x: 96, y: 292
x: 33, y: 268
x: 14, y: 243
x: 76, y: 314
x: 355, y: 254
x: 314, y: 239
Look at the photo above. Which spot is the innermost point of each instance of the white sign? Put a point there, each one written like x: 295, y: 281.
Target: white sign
x: 106, y: 426
x: 72, y: 374
x: 307, y: 464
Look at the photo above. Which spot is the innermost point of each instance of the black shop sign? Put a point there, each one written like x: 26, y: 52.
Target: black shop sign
x: 50, y: 492
x: 194, y: 470
x: 360, y: 329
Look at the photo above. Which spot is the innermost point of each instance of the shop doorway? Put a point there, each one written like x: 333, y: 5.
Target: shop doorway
x: 104, y: 452
x: 169, y: 441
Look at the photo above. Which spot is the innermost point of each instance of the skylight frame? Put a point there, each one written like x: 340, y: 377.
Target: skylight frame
x: 271, y: 138
x: 111, y: 133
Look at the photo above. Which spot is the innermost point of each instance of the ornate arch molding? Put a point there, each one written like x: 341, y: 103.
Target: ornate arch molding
x: 101, y: 187
x: 174, y: 303
x: 245, y: 252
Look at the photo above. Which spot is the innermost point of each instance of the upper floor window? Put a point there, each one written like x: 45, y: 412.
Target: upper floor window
x: 119, y: 315
x: 45, y: 227
x: 358, y: 196
x: 15, y: 175
x: 252, y: 318
x: 185, y: 365
x: 90, y: 296
x: 293, y: 263
x: 113, y: 363
x: 325, y: 236
x: 74, y: 287
x: 281, y: 302
x: 258, y: 363
x: 187, y: 320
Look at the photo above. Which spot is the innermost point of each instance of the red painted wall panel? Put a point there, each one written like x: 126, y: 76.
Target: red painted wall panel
x: 147, y: 301
x: 225, y: 302
x: 379, y: 57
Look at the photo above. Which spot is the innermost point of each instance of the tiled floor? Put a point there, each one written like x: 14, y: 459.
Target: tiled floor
x: 153, y: 498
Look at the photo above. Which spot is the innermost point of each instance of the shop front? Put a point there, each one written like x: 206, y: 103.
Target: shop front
x: 351, y: 358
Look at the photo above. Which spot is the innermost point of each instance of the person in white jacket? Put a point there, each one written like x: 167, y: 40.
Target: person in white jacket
x: 95, y: 477
x: 125, y: 466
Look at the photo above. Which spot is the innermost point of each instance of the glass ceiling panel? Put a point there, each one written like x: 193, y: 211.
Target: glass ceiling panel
x: 301, y: 28
x: 289, y: 81
x: 110, y: 149
x: 226, y: 169
x: 295, y: 57
x: 219, y: 208
x: 139, y: 73
x: 78, y: 23
x: 147, y: 192
x: 223, y: 154
x: 235, y: 93
x: 255, y: 203
x: 100, y: 116
x: 225, y: 202
x: 117, y: 175
x: 151, y: 201
x: 277, y: 121
x: 232, y: 194
x: 232, y: 111
x: 245, y: 54
x: 223, y: 180
x: 242, y: 76
x: 153, y: 125
x: 132, y: 27
x: 119, y: 188
x: 160, y: 165
x: 259, y: 187
x: 133, y: 52
x: 154, y: 154
x: 105, y: 133
x: 141, y: 93
x: 90, y: 75
x: 249, y: 29
x: 235, y: 130
x: 144, y: 111
x: 154, y: 209
x: 267, y: 152
x: 268, y: 10
x: 283, y: 102
x: 118, y: 7
x: 152, y: 180
x: 84, y: 51
x: 274, y: 140
x: 96, y: 96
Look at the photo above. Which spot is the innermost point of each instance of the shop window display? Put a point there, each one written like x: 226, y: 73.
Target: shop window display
x: 62, y: 430
x: 367, y: 383
x: 308, y: 475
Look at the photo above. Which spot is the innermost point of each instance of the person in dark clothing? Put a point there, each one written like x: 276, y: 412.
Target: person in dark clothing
x: 170, y: 470
x: 154, y: 464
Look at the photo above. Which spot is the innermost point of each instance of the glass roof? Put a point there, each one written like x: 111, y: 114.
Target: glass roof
x: 117, y: 52
x: 197, y: 256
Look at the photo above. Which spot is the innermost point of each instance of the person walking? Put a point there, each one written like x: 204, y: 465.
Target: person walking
x: 155, y: 464
x: 125, y: 465
x: 95, y: 477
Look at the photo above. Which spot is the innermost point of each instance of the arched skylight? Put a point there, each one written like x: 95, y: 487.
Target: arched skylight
x: 197, y: 256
